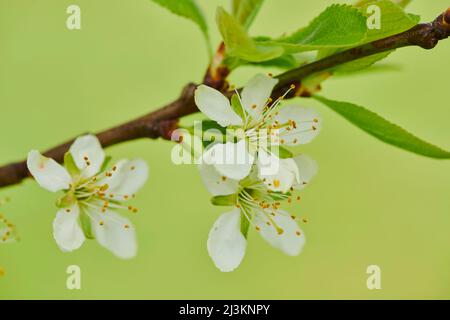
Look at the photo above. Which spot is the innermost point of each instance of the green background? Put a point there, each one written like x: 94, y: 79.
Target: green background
x: 370, y: 204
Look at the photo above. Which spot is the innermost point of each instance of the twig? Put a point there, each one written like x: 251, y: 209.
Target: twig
x: 160, y: 123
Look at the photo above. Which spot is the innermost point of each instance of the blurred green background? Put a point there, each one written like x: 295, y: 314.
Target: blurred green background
x: 370, y: 204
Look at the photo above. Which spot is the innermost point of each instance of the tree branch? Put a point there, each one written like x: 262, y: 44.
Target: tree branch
x: 161, y: 123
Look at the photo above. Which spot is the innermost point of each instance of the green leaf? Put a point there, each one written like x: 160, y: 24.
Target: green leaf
x: 381, y: 67
x: 239, y: 44
x: 285, y: 62
x: 361, y: 64
x: 86, y: 226
x: 401, y: 3
x: 394, y: 19
x: 245, y: 225
x: 245, y: 11
x: 339, y: 26
x: 384, y: 130
x: 190, y: 10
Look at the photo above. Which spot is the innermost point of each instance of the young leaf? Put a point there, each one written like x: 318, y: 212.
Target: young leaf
x: 239, y: 44
x: 384, y: 130
x: 245, y: 11
x: 339, y: 26
x: 361, y: 64
x: 394, y: 19
x: 190, y: 10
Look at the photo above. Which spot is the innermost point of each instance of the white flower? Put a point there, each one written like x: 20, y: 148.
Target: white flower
x: 91, y: 196
x: 257, y: 206
x: 263, y: 126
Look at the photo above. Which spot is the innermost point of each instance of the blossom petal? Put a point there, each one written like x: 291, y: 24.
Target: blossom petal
x: 216, y: 106
x: 283, y: 232
x: 115, y: 233
x: 216, y: 183
x: 226, y: 244
x: 47, y: 172
x: 88, y: 154
x: 307, y: 169
x: 66, y: 230
x: 126, y: 178
x: 231, y: 160
x: 277, y: 174
x: 304, y: 125
x: 256, y: 93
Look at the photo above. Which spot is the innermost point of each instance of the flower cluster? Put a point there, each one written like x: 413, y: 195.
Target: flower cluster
x: 92, y: 194
x: 257, y: 187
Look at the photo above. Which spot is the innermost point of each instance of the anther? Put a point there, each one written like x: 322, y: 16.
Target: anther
x: 276, y: 183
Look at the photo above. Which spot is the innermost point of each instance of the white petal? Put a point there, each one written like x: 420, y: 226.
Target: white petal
x: 307, y: 169
x: 127, y: 177
x: 216, y: 106
x: 226, y: 244
x: 231, y: 160
x: 277, y: 174
x: 115, y: 233
x: 256, y: 93
x: 87, y: 150
x: 287, y: 237
x: 66, y: 229
x: 307, y: 125
x: 47, y: 172
x: 216, y: 183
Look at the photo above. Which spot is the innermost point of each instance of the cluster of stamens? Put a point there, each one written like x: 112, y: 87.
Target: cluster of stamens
x: 94, y: 194
x: 256, y: 200
x: 274, y: 131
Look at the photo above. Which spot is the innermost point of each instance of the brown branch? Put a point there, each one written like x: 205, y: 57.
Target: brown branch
x: 160, y: 123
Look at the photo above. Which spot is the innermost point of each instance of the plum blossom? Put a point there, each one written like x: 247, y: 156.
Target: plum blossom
x: 260, y: 126
x: 91, y: 196
x: 257, y: 206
